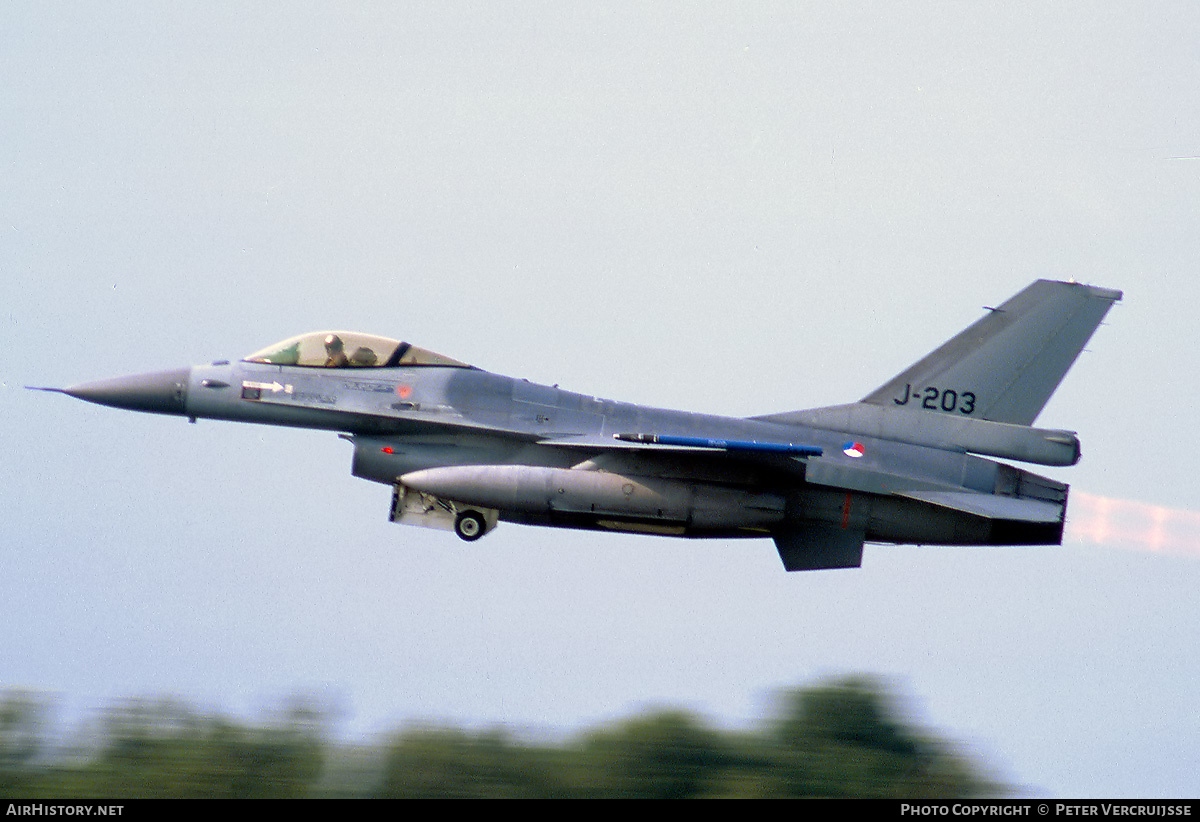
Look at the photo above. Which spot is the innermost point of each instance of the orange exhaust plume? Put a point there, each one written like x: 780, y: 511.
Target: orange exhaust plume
x: 1123, y: 523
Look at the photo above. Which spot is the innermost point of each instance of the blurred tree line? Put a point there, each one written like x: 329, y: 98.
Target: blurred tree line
x: 845, y: 738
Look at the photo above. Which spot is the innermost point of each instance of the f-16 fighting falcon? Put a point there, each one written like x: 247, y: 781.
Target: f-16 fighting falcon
x: 464, y: 449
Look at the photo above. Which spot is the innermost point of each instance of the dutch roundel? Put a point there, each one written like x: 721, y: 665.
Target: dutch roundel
x: 853, y: 449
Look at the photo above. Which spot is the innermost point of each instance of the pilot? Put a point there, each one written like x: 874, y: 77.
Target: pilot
x: 335, y: 356
x: 363, y: 357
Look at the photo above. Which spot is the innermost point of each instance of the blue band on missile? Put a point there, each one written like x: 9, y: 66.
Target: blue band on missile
x: 724, y: 445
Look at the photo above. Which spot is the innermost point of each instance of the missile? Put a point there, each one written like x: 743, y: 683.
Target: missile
x: 724, y: 445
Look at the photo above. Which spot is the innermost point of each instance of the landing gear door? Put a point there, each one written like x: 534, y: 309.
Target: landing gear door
x: 410, y: 507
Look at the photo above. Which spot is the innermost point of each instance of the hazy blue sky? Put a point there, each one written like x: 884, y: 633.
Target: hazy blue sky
x: 734, y: 208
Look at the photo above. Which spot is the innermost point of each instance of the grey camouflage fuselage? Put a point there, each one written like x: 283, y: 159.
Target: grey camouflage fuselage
x: 463, y: 448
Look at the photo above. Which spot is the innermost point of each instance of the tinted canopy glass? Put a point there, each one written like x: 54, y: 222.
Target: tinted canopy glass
x: 347, y: 349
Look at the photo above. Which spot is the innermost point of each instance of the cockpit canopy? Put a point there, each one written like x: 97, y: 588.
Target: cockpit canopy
x: 348, y: 349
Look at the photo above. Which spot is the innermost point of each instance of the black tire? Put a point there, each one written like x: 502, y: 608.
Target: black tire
x: 470, y: 525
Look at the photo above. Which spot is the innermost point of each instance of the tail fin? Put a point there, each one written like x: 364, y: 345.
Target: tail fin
x: 1004, y: 367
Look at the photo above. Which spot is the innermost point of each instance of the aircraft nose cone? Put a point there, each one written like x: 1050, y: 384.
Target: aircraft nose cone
x: 160, y: 392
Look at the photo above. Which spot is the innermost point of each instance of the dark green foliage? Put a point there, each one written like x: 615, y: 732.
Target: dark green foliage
x: 852, y: 739
x: 153, y: 749
x: 22, y: 718
x: 848, y: 738
x: 447, y: 763
x: 666, y: 755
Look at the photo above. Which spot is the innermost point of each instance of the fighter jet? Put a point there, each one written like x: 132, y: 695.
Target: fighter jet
x: 464, y: 449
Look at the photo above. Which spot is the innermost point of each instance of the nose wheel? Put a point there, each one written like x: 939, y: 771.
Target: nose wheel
x: 469, y: 525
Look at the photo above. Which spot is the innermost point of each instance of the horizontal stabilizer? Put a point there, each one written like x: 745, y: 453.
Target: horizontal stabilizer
x: 991, y: 506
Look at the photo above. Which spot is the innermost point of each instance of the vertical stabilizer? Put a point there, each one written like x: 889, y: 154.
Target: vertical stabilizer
x: 1004, y: 367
